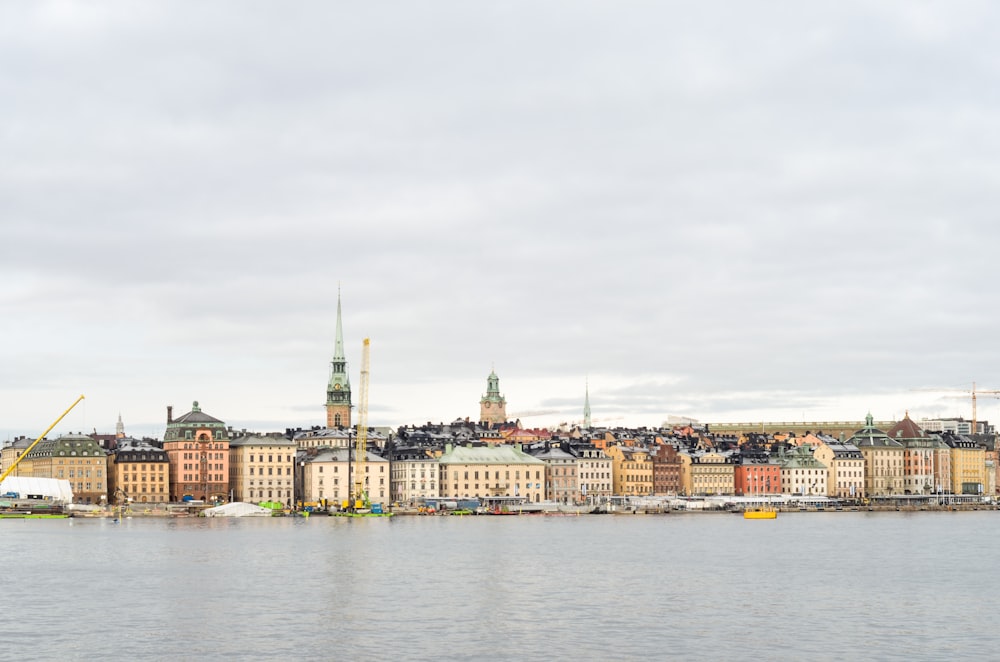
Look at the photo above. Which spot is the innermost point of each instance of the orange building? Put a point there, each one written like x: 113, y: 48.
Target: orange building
x: 197, y: 446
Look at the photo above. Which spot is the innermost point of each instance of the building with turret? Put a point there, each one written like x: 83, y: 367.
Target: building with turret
x: 493, y: 406
x: 338, y: 388
x: 197, y: 446
x: 883, y: 460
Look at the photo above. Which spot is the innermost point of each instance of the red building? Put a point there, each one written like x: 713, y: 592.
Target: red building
x: 757, y: 476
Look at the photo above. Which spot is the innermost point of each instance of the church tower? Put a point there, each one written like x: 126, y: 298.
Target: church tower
x: 586, y: 406
x: 338, y: 390
x: 493, y: 406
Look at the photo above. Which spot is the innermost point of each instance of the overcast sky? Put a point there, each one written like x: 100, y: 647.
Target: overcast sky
x: 729, y: 211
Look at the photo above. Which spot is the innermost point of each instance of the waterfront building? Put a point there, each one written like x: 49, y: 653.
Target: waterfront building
x: 845, y: 466
x: 11, y: 452
x: 493, y: 405
x: 707, y: 472
x: 918, y: 456
x: 666, y: 470
x: 260, y: 469
x: 883, y: 460
x: 594, y: 471
x: 197, y: 446
x: 968, y: 464
x: 491, y: 471
x: 73, y: 457
x: 561, y: 475
x: 631, y: 470
x: 327, y: 476
x: 414, y: 479
x: 338, y: 387
x: 138, y: 471
x: 801, y: 473
x: 756, y: 474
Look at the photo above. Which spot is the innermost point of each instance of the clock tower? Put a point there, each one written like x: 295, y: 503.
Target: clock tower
x: 493, y: 406
x: 338, y: 390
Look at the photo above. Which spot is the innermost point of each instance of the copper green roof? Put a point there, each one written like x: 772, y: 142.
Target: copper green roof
x: 68, y: 445
x: 871, y: 437
x: 499, y: 454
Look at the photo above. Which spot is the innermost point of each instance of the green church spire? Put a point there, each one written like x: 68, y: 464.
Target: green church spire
x: 338, y: 390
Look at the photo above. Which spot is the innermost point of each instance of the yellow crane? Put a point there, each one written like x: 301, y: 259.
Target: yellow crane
x: 28, y: 449
x: 360, y: 498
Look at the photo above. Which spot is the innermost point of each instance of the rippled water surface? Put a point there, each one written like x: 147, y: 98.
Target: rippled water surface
x: 823, y: 586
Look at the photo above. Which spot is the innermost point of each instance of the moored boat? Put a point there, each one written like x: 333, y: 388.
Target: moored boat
x: 760, y: 514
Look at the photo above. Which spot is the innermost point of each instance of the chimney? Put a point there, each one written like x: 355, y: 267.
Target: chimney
x: 170, y: 414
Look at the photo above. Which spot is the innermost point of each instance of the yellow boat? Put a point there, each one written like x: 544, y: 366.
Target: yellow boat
x: 760, y: 514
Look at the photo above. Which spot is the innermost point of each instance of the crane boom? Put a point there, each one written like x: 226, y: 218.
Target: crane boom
x: 28, y: 449
x: 360, y: 455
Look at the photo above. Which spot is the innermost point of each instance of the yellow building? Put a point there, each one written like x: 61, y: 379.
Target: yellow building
x: 260, y: 469
x: 73, y: 457
x: 139, y: 472
x: 968, y: 465
x: 631, y: 471
x: 11, y: 452
x: 707, y: 473
x: 884, y: 466
x: 845, y: 466
x: 486, y: 471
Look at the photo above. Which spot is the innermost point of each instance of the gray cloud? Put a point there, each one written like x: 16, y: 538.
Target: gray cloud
x: 718, y: 211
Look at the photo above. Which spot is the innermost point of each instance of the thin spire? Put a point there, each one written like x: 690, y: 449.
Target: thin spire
x: 586, y: 404
x: 338, y: 348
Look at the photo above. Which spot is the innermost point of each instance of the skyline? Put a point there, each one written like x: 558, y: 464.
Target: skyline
x: 730, y: 213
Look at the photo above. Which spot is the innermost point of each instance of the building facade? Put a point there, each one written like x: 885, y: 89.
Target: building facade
x: 666, y: 470
x: 261, y: 469
x: 415, y: 479
x: 73, y: 457
x: 491, y: 471
x: 561, y: 479
x: 801, y: 473
x: 138, y: 472
x: 845, y: 466
x: 197, y: 446
x: 631, y: 471
x: 883, y: 460
x: 594, y: 471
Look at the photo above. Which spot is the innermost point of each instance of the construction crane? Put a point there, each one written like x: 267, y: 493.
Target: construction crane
x: 359, y: 497
x: 974, y: 392
x: 35, y: 442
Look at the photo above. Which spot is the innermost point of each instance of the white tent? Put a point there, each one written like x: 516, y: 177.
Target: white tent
x: 237, y: 509
x: 46, y: 488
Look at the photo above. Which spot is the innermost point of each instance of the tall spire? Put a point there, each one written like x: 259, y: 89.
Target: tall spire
x: 586, y: 405
x: 338, y: 346
x: 338, y: 390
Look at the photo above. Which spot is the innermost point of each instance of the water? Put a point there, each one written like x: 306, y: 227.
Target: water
x: 885, y: 586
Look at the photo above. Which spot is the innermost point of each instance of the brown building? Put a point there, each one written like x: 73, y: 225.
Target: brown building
x: 666, y: 470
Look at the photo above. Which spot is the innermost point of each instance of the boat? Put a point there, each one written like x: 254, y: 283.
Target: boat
x: 760, y: 514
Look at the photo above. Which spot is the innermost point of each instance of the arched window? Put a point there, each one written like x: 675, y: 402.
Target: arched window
x: 336, y: 420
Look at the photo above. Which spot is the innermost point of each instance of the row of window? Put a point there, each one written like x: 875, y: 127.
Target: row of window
x: 270, y: 458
